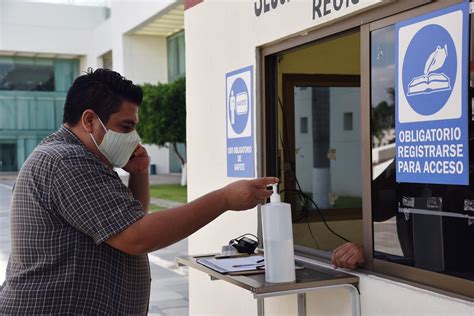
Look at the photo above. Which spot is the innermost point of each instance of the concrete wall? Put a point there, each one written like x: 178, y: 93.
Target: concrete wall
x: 47, y: 28
x: 145, y: 59
x: 222, y: 37
x: 159, y: 157
x: 113, y: 35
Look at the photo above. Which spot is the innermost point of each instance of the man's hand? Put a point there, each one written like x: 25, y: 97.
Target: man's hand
x: 139, y: 161
x: 139, y: 183
x: 348, y: 255
x: 246, y: 194
x: 161, y: 229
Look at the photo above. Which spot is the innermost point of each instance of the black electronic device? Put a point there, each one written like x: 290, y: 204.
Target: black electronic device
x: 244, y: 244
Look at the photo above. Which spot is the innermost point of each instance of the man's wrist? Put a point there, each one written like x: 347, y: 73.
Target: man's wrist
x: 139, y: 173
x: 222, y: 200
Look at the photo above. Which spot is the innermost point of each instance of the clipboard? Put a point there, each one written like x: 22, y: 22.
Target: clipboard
x: 235, y: 266
x: 253, y: 264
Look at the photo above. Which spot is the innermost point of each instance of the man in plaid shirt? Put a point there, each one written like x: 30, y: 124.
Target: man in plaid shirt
x: 79, y: 235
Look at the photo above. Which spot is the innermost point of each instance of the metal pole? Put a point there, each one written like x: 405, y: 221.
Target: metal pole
x: 260, y: 307
x: 353, y: 291
x: 302, y: 304
x: 355, y: 299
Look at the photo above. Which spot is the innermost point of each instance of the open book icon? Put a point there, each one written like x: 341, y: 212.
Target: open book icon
x: 430, y: 81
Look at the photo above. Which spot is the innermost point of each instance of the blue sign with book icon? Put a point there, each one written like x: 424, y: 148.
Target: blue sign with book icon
x: 239, y: 114
x: 431, y: 99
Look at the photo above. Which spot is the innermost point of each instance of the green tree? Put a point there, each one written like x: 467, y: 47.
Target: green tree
x: 163, y: 115
x: 383, y: 115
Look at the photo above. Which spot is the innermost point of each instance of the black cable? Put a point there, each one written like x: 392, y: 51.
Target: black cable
x: 300, y: 190
x: 247, y: 234
x: 292, y: 164
x: 319, y: 212
x: 302, y: 214
x: 311, y: 232
x: 324, y: 220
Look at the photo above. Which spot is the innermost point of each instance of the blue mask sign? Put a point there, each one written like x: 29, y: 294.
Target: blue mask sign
x: 431, y: 97
x: 239, y: 114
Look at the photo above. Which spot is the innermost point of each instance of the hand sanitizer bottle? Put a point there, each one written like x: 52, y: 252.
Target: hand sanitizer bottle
x: 278, y: 240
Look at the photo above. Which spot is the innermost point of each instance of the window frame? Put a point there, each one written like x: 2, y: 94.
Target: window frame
x: 267, y: 110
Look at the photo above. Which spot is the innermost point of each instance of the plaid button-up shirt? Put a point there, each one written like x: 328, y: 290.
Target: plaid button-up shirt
x: 66, y: 203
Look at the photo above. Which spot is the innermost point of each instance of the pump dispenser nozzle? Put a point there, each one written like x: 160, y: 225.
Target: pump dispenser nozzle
x: 275, y: 197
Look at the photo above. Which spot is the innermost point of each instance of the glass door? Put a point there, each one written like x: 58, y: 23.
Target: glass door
x: 7, y: 157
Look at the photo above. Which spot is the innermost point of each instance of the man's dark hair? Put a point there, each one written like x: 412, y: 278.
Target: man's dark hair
x: 102, y: 91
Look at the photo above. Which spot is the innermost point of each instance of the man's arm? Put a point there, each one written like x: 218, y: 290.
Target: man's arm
x: 161, y: 229
x: 139, y: 185
x: 139, y: 182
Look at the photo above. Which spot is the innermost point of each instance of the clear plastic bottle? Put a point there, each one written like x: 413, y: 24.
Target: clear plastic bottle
x: 278, y: 240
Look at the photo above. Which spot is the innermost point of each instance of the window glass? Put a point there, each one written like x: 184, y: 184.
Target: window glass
x: 348, y: 122
x: 328, y: 152
x: 26, y: 74
x: 176, y: 56
x: 7, y: 157
x: 304, y: 125
x: 181, y: 56
x: 319, y: 140
x: 172, y: 58
x: 427, y: 240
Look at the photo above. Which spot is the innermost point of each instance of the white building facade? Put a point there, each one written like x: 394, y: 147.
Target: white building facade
x: 343, y: 51
x: 132, y: 38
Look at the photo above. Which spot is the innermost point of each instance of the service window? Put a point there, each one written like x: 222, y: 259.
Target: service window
x: 319, y: 140
x: 334, y: 169
x: 424, y: 226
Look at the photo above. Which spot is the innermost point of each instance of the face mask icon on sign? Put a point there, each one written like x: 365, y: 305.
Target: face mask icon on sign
x: 430, y: 81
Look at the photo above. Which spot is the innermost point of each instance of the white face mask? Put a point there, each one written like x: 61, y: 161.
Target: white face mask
x: 117, y: 147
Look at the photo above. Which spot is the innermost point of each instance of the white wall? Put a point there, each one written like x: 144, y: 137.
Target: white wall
x: 160, y: 157
x: 222, y: 36
x: 145, y: 59
x: 112, y: 35
x: 105, y: 38
x: 84, y: 32
x: 47, y: 28
x: 128, y: 14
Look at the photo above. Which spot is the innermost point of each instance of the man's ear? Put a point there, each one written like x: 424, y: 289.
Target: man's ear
x: 87, y: 120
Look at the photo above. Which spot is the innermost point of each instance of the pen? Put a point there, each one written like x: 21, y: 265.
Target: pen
x: 248, y: 264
